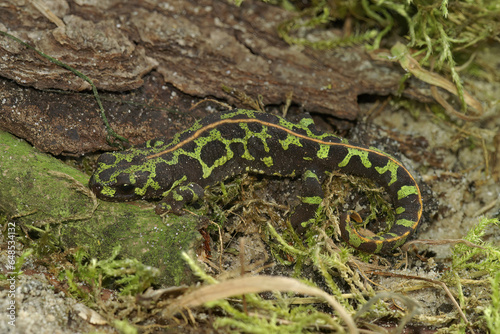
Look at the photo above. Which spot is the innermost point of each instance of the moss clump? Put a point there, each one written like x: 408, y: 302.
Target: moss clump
x: 451, y: 31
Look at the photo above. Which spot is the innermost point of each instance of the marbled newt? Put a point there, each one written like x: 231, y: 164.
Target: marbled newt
x: 225, y: 144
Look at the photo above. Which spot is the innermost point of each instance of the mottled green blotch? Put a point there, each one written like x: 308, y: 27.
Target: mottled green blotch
x: 362, y: 154
x: 311, y: 200
x: 285, y: 143
x: 323, y: 151
x: 392, y: 167
x: 268, y: 161
x: 177, y: 197
x: 354, y: 239
x: 110, y: 192
x: 406, y: 191
x: 405, y: 222
x: 310, y: 174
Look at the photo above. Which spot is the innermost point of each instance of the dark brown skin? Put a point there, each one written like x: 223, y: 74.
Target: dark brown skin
x: 240, y: 141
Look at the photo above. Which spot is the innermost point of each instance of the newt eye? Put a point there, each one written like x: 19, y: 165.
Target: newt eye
x: 125, y: 189
x: 125, y: 184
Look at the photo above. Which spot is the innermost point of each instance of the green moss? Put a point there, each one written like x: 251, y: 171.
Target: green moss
x: 492, y: 312
x: 479, y: 262
x: 485, y: 258
x: 54, y: 209
x: 129, y: 276
x: 441, y: 31
x: 282, y: 316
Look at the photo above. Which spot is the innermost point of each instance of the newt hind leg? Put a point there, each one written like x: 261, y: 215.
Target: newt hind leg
x: 311, y: 197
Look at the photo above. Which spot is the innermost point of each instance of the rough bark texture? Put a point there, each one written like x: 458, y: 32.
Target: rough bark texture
x: 189, y: 48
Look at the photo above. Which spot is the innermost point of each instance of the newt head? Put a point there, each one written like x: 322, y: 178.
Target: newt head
x: 125, y: 176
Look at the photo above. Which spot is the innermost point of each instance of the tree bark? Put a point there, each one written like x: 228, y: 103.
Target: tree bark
x: 163, y: 58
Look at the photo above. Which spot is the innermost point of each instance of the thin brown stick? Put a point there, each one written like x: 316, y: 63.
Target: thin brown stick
x: 256, y: 284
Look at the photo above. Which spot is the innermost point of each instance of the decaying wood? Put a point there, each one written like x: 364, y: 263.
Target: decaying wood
x: 164, y: 56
